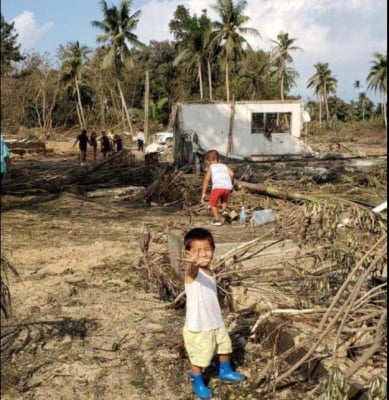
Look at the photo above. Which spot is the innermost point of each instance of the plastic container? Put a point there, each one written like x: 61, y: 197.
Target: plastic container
x: 242, y: 217
x: 261, y: 217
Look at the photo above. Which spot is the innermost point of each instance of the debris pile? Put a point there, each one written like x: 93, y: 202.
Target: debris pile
x: 307, y: 292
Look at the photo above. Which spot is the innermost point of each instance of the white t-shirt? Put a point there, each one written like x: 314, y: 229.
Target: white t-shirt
x: 220, y: 177
x: 203, y: 311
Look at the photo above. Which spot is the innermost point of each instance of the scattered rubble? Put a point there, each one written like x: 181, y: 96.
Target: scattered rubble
x: 305, y: 294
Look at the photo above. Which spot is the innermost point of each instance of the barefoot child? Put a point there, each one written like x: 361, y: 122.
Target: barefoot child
x: 204, y: 332
x: 221, y: 177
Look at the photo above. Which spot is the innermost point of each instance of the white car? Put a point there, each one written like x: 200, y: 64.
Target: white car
x: 164, y: 137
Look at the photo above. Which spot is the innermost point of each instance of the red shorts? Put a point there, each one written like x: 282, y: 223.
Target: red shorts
x: 217, y: 194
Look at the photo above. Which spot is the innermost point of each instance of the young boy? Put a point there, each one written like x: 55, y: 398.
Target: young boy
x: 204, y: 331
x: 221, y: 177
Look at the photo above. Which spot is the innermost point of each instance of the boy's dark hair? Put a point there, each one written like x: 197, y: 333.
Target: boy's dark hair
x: 212, y: 155
x: 198, y: 234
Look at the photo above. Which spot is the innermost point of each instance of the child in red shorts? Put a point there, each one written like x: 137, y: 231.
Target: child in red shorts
x: 221, y: 177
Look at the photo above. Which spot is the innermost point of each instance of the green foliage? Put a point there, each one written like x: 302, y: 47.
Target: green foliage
x: 10, y: 50
x: 215, y: 51
x: 377, y: 77
x: 335, y: 387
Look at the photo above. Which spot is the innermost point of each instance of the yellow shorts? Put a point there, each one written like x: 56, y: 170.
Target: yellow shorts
x: 201, y: 346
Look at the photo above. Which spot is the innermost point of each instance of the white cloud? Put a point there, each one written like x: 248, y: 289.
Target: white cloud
x: 154, y: 20
x: 28, y: 30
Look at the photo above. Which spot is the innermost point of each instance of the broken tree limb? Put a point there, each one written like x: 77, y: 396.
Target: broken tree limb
x: 273, y: 192
x: 292, y: 196
x: 134, y: 190
x: 285, y: 311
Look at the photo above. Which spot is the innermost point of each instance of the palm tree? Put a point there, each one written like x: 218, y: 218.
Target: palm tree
x: 377, y: 80
x: 357, y: 85
x: 74, y: 58
x: 323, y: 84
x: 253, y: 74
x: 363, y: 101
x: 281, y: 56
x: 192, y: 38
x: 118, y: 25
x: 228, y: 32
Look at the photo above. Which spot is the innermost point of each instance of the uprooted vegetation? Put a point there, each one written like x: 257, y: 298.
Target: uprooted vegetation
x: 304, y: 296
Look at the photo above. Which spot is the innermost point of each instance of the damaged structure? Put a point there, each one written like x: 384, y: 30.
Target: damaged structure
x: 251, y: 130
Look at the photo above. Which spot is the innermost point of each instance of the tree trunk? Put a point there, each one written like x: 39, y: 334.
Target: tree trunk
x: 282, y: 84
x: 200, y: 81
x: 102, y: 104
x: 325, y: 97
x: 227, y: 82
x: 79, y: 116
x: 209, y: 79
x: 319, y: 98
x: 231, y: 127
x: 124, y: 105
x: 82, y: 117
x: 383, y: 108
x: 146, y: 108
x: 273, y: 192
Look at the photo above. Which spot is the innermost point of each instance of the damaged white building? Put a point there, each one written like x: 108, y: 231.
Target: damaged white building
x: 242, y: 129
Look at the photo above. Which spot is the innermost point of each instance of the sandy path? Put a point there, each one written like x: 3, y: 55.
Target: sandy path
x: 76, y: 259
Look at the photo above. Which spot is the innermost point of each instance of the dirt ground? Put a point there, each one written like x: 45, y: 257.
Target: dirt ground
x: 92, y: 331
x: 77, y: 259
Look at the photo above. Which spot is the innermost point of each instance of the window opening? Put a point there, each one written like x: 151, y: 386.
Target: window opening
x: 267, y: 123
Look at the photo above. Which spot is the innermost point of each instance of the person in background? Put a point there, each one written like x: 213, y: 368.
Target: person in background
x: 93, y: 143
x: 111, y: 144
x: 105, y: 144
x: 83, y: 142
x: 204, y: 331
x: 5, y: 159
x: 140, y: 139
x: 118, y: 143
x: 221, y: 177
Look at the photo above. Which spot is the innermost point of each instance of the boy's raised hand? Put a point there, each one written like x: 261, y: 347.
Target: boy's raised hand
x: 195, y: 259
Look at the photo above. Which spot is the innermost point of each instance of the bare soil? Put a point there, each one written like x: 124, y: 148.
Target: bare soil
x: 78, y: 261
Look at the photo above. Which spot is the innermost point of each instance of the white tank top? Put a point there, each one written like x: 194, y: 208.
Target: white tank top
x: 203, y: 311
x: 220, y: 177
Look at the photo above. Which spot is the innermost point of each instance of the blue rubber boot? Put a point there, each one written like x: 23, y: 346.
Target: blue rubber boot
x: 227, y: 374
x: 199, y: 388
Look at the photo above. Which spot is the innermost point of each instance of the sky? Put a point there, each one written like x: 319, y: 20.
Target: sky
x: 343, y: 33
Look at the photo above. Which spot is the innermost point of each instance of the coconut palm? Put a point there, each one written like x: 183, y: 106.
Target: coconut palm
x: 281, y: 57
x: 323, y: 84
x: 357, y: 85
x: 118, y: 25
x: 254, y: 78
x: 363, y: 101
x: 74, y: 57
x: 377, y: 80
x: 228, y: 32
x: 192, y: 36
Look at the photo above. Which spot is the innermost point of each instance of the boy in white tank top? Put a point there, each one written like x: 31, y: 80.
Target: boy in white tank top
x: 221, y: 177
x: 204, y: 331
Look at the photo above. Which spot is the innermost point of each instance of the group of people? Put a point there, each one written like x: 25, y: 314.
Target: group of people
x: 110, y: 143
